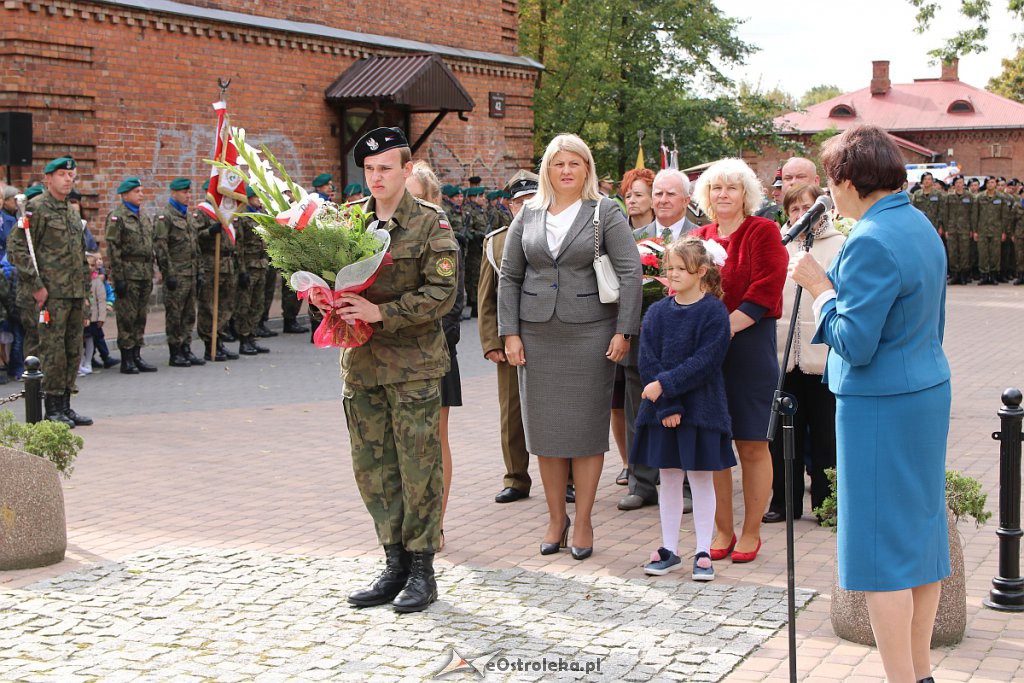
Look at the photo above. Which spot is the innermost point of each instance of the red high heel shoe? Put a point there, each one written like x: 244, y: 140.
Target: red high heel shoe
x: 740, y: 558
x: 721, y: 553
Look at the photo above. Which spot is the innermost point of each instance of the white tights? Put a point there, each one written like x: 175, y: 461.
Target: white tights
x: 670, y: 502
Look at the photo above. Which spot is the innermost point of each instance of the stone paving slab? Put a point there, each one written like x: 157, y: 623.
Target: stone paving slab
x: 179, y: 614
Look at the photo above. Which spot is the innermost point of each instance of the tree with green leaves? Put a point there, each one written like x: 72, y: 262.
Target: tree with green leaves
x: 1010, y: 83
x: 614, y: 68
x: 976, y: 14
x: 818, y: 94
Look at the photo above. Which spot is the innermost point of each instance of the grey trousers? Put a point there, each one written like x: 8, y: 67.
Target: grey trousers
x: 643, y: 480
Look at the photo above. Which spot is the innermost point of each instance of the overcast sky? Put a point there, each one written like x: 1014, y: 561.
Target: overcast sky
x: 834, y: 42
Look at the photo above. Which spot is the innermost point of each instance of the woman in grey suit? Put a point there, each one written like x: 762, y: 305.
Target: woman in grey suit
x: 550, y: 314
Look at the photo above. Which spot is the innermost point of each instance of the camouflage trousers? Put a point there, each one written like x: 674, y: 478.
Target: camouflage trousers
x: 269, y: 287
x: 180, y: 310
x: 958, y: 250
x: 474, y: 254
x: 290, y: 303
x: 60, y: 344
x: 225, y: 303
x: 1018, y: 245
x: 130, y: 309
x: 249, y: 303
x: 29, y: 314
x: 394, y: 431
x: 988, y: 253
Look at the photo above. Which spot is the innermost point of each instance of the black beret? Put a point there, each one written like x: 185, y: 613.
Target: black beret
x: 475, y: 179
x: 376, y: 141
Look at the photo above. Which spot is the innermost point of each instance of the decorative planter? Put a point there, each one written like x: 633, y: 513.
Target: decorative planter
x: 33, y: 530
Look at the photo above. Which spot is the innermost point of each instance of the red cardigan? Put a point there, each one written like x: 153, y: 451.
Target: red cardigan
x: 755, y: 270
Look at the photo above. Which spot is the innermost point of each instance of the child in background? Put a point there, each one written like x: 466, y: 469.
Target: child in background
x: 683, y: 426
x: 96, y: 312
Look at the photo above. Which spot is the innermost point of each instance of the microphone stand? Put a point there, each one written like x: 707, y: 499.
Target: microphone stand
x: 784, y: 407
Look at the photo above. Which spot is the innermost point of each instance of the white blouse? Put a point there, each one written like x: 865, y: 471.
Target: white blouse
x: 558, y: 226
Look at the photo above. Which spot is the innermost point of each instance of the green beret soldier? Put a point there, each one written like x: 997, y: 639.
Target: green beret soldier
x: 992, y: 213
x: 177, y: 253
x: 130, y: 255
x: 322, y: 186
x: 475, y: 227
x: 54, y: 284
x: 34, y: 191
x: 207, y: 229
x: 253, y: 255
x: 392, y: 383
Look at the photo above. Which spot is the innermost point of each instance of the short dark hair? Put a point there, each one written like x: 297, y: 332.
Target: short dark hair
x: 867, y: 157
x: 927, y: 174
x: 796, y: 192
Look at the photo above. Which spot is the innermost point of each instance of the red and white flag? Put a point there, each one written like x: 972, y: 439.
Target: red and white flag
x: 227, y: 189
x: 664, y: 157
x: 301, y: 213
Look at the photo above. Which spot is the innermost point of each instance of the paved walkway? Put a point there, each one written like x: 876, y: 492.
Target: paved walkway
x: 198, y: 482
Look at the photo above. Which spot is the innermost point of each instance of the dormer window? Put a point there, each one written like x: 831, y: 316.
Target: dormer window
x: 841, y: 111
x: 961, y: 107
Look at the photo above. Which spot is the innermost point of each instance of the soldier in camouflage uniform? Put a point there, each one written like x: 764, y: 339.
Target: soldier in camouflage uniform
x: 207, y: 228
x: 56, y: 290
x: 990, y: 231
x: 474, y: 225
x: 253, y: 255
x: 28, y: 311
x: 1007, y: 260
x: 929, y: 201
x: 129, y: 234
x: 960, y: 220
x: 177, y: 254
x: 392, y: 383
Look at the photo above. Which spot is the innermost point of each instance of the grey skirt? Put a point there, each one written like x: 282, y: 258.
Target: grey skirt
x: 566, y: 387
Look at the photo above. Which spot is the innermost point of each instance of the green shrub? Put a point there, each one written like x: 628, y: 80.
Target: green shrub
x: 51, y: 440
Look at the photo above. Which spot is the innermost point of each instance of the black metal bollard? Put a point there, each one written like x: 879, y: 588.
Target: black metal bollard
x: 1007, y: 592
x: 33, y: 390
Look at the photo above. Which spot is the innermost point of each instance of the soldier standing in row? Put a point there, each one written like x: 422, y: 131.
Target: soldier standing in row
x: 928, y: 200
x: 177, y: 255
x: 207, y: 229
x: 323, y: 186
x: 474, y: 226
x: 56, y: 281
x: 990, y: 231
x: 1018, y: 228
x: 253, y: 255
x: 392, y: 383
x: 129, y: 234
x: 960, y: 218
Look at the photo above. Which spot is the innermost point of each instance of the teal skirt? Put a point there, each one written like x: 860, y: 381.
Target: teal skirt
x: 891, y: 471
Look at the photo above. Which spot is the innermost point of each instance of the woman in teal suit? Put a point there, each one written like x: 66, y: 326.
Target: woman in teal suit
x: 881, y: 310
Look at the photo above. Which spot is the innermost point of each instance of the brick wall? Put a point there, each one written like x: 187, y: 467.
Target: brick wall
x: 129, y: 93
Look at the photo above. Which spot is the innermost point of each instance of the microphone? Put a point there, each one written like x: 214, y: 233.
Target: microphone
x: 809, y: 219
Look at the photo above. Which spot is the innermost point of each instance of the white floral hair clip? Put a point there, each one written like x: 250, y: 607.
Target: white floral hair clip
x: 716, y: 251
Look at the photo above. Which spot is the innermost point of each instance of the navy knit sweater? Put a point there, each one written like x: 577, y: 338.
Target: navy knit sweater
x: 683, y: 347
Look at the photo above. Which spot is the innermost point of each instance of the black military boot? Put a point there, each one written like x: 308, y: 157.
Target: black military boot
x: 1020, y: 278
x: 79, y: 420
x: 219, y: 357
x: 128, y: 362
x: 142, y: 365
x: 229, y: 334
x: 263, y: 331
x: 53, y: 406
x: 421, y: 588
x: 256, y: 345
x: 390, y: 582
x: 176, y: 359
x: 246, y: 347
x: 292, y: 326
x: 186, y: 352
x: 221, y: 349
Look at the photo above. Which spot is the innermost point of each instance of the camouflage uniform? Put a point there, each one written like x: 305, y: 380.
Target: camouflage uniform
x: 229, y: 270
x: 1017, y: 225
x: 991, y: 225
x: 130, y: 258
x: 474, y: 222
x: 253, y: 255
x: 960, y: 219
x: 931, y: 205
x: 392, y: 389
x: 177, y: 254
x: 1007, y: 265
x: 59, y: 241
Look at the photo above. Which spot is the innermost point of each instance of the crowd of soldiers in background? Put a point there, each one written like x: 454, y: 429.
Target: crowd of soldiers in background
x: 981, y: 223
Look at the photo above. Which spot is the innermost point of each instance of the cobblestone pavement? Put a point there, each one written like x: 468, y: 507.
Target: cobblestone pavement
x: 197, y: 614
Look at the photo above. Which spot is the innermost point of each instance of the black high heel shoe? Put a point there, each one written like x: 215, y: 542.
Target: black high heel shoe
x: 552, y: 548
x: 581, y: 553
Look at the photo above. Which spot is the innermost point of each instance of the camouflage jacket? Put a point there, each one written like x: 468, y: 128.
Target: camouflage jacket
x: 474, y: 221
x: 253, y: 252
x: 176, y: 243
x: 59, y: 242
x: 229, y: 263
x: 129, y: 245
x: 992, y: 213
x: 454, y: 214
x: 413, y: 294
x: 960, y: 212
x: 930, y: 204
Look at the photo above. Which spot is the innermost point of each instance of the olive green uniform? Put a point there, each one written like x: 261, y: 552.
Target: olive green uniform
x: 960, y: 218
x: 177, y: 253
x: 931, y: 204
x: 253, y: 255
x: 1017, y: 226
x: 474, y: 225
x: 992, y: 212
x: 130, y: 258
x: 392, y: 383
x: 229, y: 269
x: 59, y: 241
x: 1007, y: 265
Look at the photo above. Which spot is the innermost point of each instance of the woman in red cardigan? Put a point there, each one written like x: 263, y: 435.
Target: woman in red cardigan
x: 753, y: 276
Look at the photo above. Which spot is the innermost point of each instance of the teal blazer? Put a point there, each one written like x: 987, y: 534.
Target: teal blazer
x: 885, y: 326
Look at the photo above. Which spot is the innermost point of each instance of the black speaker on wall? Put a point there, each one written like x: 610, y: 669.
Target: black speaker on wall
x: 15, y: 138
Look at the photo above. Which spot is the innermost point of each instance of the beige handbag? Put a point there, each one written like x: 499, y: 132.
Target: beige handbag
x: 607, y: 280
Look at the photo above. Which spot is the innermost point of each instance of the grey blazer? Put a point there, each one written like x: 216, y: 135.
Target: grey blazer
x: 534, y: 286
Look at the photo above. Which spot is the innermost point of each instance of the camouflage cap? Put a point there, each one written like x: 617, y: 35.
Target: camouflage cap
x: 60, y: 163
x: 128, y: 184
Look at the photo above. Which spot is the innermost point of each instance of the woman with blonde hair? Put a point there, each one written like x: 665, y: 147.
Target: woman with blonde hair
x: 561, y: 337
x: 753, y: 277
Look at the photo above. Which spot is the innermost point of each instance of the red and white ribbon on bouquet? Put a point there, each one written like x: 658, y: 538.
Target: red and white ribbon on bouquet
x: 302, y: 212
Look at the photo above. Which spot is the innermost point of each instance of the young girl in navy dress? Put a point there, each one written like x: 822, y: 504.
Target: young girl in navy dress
x: 683, y: 426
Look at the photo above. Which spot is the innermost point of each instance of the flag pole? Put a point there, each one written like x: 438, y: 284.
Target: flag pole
x: 223, y: 85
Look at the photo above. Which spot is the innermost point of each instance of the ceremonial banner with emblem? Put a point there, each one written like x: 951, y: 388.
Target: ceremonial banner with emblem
x: 227, y: 187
